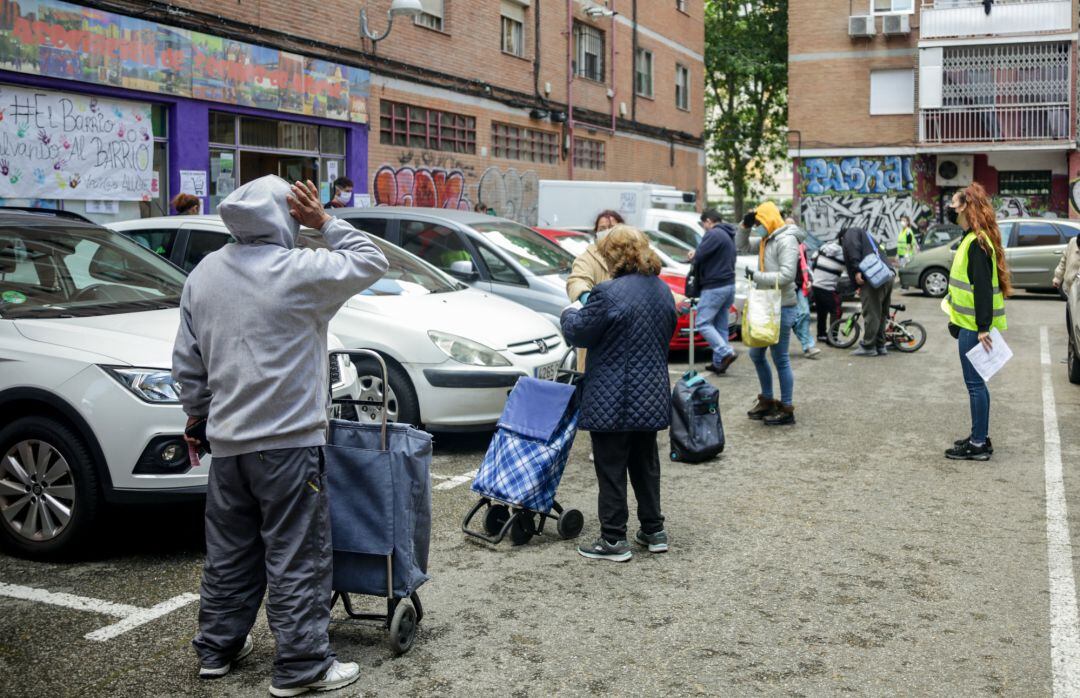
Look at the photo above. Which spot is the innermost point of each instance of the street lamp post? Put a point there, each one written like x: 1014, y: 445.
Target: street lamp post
x: 408, y: 8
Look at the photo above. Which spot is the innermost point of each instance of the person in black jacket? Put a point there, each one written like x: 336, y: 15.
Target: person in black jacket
x: 857, y: 245
x: 626, y: 324
x: 714, y: 261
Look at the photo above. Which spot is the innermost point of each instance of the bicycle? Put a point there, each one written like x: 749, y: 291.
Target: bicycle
x: 906, y: 335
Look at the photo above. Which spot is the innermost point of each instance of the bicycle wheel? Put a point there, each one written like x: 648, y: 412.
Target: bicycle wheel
x: 908, y: 336
x: 845, y: 332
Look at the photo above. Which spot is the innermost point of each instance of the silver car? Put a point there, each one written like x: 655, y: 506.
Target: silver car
x: 493, y: 254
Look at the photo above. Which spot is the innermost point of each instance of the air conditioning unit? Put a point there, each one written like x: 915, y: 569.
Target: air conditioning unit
x: 861, y: 26
x: 955, y: 170
x: 896, y: 25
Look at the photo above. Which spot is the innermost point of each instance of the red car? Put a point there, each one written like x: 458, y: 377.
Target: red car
x: 575, y: 242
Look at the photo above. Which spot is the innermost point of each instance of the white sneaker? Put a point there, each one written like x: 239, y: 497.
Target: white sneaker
x: 339, y: 675
x: 812, y: 353
x: 217, y: 672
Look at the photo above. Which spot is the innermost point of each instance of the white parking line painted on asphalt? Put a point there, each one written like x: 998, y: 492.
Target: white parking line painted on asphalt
x: 1064, y: 619
x: 452, y: 482
x: 130, y: 617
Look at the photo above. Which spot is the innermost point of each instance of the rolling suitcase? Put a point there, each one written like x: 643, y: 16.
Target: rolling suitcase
x: 697, y: 430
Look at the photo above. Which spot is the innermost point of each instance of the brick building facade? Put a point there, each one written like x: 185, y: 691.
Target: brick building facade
x: 896, y: 103
x: 473, y: 102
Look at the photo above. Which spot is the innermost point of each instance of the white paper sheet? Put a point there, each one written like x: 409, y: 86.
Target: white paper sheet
x: 988, y: 363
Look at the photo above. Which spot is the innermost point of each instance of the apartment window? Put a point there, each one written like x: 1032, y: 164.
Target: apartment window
x: 513, y: 27
x: 1037, y: 183
x: 588, y: 52
x: 682, y: 87
x: 643, y: 73
x: 892, y: 92
x: 417, y: 127
x: 528, y: 144
x: 589, y: 154
x: 431, y: 15
x: 680, y: 5
x: 892, y: 7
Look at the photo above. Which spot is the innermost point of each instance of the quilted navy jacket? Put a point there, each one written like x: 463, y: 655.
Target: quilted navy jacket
x: 626, y: 326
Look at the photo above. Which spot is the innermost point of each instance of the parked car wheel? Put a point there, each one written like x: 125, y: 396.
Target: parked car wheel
x: 935, y: 282
x: 401, y: 403
x: 48, y: 487
x: 1074, y: 358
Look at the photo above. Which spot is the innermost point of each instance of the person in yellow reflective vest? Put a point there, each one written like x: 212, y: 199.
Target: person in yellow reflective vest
x: 979, y: 282
x: 906, y: 244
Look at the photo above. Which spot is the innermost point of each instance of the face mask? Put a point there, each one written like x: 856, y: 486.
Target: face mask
x: 952, y: 215
x: 600, y: 235
x: 344, y: 197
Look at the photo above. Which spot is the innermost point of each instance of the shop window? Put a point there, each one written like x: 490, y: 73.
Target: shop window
x: 222, y: 128
x: 588, y: 52
x: 332, y: 140
x: 513, y: 27
x: 682, y: 87
x: 589, y: 154
x: 643, y: 73
x: 529, y: 144
x: 417, y: 127
x: 1038, y: 235
x: 432, y: 14
x: 286, y: 135
x: 1025, y: 183
x: 435, y: 244
x: 200, y: 244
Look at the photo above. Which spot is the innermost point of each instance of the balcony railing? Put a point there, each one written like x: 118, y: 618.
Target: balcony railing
x: 997, y: 124
x: 941, y: 19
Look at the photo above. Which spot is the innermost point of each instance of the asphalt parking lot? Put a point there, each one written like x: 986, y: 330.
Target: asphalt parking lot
x: 842, y: 556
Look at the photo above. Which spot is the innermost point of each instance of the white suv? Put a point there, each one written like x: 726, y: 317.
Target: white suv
x: 88, y: 409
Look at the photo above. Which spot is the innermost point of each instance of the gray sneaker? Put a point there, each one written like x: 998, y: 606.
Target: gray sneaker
x: 882, y: 351
x: 865, y: 351
x: 600, y: 549
x: 655, y: 542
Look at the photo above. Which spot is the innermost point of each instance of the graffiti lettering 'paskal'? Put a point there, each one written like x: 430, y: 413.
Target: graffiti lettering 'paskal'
x: 885, y: 175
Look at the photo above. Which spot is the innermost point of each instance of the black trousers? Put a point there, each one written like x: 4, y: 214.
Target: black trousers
x: 828, y: 309
x: 616, y: 453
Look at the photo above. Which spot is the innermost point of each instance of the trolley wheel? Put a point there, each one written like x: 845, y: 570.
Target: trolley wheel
x: 523, y: 528
x: 570, y: 523
x: 403, y: 628
x: 495, y: 518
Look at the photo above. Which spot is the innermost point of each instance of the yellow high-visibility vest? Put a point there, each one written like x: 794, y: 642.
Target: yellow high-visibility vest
x: 906, y: 244
x: 962, y: 295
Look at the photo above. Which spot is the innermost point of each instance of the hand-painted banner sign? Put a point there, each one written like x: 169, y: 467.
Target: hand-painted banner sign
x: 61, y: 40
x: 56, y: 145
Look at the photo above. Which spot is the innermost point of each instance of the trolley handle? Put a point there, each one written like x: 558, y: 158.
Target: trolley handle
x: 386, y: 382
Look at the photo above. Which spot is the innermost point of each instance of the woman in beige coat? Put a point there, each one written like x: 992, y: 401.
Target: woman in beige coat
x: 590, y: 268
x: 1069, y: 266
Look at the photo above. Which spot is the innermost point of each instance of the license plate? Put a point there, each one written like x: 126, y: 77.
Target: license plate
x: 547, y: 372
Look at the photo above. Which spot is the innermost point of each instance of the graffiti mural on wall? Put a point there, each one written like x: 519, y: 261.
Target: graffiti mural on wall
x: 826, y: 216
x: 427, y: 187
x: 511, y: 194
x: 882, y: 175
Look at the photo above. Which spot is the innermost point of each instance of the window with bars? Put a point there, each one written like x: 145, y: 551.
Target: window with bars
x: 643, y: 73
x: 1005, y: 74
x: 512, y: 16
x: 589, y: 154
x: 682, y: 87
x: 417, y: 127
x: 588, y: 52
x: 529, y: 144
x: 1026, y: 183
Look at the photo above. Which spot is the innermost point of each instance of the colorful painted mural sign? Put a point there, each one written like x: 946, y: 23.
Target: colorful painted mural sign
x: 855, y: 175
x: 61, y: 40
x: 58, y: 145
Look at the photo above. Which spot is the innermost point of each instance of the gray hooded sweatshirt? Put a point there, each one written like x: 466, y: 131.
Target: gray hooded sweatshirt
x: 251, y: 349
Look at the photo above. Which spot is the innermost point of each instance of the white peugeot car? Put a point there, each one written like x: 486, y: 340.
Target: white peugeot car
x: 88, y: 409
x: 453, y: 353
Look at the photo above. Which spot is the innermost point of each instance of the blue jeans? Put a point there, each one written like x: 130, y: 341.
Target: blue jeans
x: 780, y: 359
x: 978, y: 394
x: 802, y: 321
x: 712, y: 319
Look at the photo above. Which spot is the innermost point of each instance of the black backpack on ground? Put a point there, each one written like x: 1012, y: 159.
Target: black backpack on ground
x: 697, y: 431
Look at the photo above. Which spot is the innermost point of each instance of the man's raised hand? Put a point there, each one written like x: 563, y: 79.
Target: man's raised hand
x: 304, y: 205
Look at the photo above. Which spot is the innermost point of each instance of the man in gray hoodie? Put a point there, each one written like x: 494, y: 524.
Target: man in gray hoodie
x: 251, y: 359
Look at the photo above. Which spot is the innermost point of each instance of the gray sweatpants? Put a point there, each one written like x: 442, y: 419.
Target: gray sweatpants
x: 268, y: 524
x: 875, y: 309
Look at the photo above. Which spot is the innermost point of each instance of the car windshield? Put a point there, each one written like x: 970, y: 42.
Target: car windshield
x: 576, y: 244
x: 60, y: 270
x: 671, y: 247
x: 527, y: 247
x: 407, y: 275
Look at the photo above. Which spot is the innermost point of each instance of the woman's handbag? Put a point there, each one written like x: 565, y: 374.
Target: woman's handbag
x: 874, y: 269
x: 761, y: 317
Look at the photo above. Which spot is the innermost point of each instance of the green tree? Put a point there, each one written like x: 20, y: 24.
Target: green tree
x: 745, y: 93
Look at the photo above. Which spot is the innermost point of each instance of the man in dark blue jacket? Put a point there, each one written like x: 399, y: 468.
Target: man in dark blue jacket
x: 715, y: 263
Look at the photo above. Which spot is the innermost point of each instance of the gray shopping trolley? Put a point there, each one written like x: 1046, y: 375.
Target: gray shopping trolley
x: 379, y: 480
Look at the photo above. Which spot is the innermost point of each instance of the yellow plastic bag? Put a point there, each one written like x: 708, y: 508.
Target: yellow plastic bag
x: 761, y: 317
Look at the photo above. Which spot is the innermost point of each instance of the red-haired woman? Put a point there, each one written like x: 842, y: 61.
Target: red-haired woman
x: 979, y: 283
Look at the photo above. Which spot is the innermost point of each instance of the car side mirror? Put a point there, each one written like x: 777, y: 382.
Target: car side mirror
x: 464, y: 270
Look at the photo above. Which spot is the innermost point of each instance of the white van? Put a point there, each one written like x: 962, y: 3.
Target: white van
x: 575, y: 204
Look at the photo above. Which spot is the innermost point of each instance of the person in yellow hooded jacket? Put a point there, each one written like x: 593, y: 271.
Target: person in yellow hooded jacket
x: 778, y: 263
